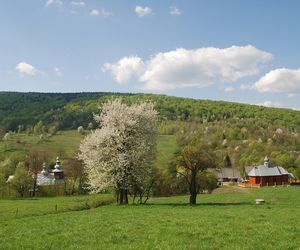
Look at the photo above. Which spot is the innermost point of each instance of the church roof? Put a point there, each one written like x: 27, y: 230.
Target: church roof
x: 57, y: 167
x: 267, y: 170
x: 264, y: 170
x: 44, y: 179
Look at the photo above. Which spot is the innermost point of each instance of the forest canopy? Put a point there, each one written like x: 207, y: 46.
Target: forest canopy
x: 22, y: 111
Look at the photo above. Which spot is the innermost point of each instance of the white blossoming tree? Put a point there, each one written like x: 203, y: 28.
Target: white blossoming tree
x: 119, y: 153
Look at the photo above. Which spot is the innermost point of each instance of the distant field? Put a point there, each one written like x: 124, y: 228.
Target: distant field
x: 67, y: 142
x: 220, y: 221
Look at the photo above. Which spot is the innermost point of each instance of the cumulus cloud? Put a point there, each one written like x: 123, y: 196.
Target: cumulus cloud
x: 125, y: 69
x: 174, y: 11
x: 280, y: 81
x: 26, y: 69
x: 143, y: 11
x: 78, y: 3
x: 54, y: 2
x: 102, y: 13
x: 201, y: 67
x: 270, y: 104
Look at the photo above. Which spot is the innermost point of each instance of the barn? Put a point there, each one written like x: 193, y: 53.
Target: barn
x: 268, y: 174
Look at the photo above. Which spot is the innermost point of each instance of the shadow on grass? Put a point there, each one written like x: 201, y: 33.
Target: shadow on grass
x: 200, y: 204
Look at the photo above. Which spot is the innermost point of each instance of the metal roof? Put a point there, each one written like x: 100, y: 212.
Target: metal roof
x: 45, y: 178
x: 267, y: 170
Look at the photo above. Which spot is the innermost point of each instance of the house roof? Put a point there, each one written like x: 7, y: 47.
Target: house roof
x: 228, y: 173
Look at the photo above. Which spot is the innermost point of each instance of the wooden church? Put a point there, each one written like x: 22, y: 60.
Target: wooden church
x: 268, y: 174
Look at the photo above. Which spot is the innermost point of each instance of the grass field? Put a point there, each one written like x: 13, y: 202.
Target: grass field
x: 227, y: 220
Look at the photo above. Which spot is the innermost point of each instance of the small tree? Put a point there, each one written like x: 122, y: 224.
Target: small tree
x: 2, y: 181
x: 119, y: 154
x: 37, y: 156
x: 21, y: 181
x: 74, y: 172
x: 192, y: 162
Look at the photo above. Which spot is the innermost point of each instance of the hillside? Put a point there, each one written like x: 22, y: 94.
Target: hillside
x: 69, y: 110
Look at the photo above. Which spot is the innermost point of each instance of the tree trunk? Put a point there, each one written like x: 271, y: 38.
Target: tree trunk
x: 123, y: 196
x: 193, y: 198
x: 121, y: 193
x: 193, y: 189
x: 34, y: 184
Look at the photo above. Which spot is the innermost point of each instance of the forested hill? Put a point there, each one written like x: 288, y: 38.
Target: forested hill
x: 70, y: 110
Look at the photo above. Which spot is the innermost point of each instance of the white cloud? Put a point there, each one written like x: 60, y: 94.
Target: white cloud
x: 174, y: 11
x: 280, y: 81
x: 54, y: 2
x: 125, y: 69
x: 192, y: 68
x: 78, y: 3
x: 229, y: 89
x: 94, y: 12
x: 102, y: 13
x: 58, y: 72
x: 143, y: 11
x: 27, y: 69
x: 270, y: 104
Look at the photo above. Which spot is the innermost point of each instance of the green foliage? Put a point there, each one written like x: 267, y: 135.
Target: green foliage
x: 70, y: 110
x: 22, y: 181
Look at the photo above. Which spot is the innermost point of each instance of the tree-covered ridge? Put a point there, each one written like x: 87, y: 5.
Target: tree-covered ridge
x: 70, y: 110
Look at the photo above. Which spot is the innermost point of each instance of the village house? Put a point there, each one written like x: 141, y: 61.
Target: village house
x: 268, y: 174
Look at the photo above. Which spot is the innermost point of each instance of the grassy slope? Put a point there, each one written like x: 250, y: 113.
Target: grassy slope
x: 166, y: 147
x: 69, y: 141
x: 21, y: 143
x: 20, y: 208
x: 229, y: 221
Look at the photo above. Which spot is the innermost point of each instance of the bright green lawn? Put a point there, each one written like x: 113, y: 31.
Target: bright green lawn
x: 220, y: 221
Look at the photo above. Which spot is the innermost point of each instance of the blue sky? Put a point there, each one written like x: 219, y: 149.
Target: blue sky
x: 244, y: 51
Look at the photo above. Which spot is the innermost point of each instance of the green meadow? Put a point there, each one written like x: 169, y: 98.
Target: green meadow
x: 19, y: 144
x: 66, y: 143
x: 228, y: 219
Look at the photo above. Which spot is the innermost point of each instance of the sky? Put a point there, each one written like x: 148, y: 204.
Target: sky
x: 235, y: 50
